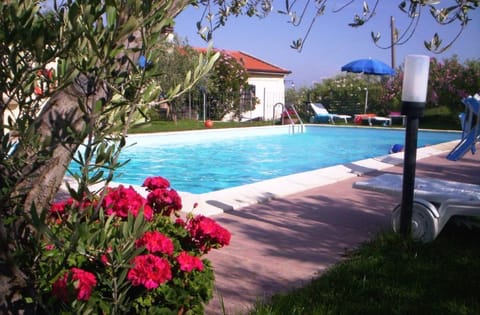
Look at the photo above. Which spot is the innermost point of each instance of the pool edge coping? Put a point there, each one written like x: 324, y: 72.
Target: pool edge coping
x: 229, y: 199
x: 234, y: 198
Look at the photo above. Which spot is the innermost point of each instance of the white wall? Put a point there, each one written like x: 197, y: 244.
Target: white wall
x: 11, y: 112
x: 269, y: 91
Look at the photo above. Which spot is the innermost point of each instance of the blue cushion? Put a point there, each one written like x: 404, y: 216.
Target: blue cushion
x: 321, y: 119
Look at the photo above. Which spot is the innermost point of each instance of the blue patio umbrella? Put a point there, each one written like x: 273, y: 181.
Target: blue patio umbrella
x: 369, y: 66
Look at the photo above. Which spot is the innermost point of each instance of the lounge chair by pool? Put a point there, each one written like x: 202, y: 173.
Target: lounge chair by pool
x: 471, y: 128
x: 435, y: 202
x: 322, y: 115
x: 372, y: 119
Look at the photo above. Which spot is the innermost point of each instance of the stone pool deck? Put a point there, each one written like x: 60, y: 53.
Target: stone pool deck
x: 286, y: 241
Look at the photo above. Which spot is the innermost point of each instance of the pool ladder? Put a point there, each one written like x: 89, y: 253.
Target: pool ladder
x: 293, y: 127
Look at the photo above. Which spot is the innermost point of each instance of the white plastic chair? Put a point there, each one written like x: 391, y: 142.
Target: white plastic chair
x: 435, y: 202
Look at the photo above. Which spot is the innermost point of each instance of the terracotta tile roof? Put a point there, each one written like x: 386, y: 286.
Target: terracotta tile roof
x: 252, y: 64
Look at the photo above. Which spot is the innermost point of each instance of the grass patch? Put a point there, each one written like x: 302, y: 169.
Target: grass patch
x: 183, y: 125
x: 440, y: 118
x: 391, y: 275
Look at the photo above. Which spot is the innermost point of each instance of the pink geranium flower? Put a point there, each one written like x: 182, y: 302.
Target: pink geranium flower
x: 156, y: 242
x: 164, y: 201
x: 156, y: 182
x: 207, y: 233
x: 180, y: 222
x: 188, y: 263
x: 82, y: 281
x: 121, y: 201
x: 104, y: 258
x: 149, y: 271
x: 58, y: 210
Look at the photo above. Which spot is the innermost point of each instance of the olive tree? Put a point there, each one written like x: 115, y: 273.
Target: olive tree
x: 95, y: 94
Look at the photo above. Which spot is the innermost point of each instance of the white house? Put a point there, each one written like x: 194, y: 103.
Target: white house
x: 267, y: 82
x: 12, y: 110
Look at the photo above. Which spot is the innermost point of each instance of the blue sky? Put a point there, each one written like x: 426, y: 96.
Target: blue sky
x: 331, y: 43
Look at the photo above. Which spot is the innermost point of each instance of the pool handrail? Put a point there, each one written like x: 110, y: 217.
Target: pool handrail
x: 292, y: 122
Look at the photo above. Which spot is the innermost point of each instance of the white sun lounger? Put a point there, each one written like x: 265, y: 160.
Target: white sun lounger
x: 384, y: 121
x: 435, y: 202
x: 321, y: 112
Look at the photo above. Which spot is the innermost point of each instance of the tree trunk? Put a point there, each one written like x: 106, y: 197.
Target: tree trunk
x: 44, y: 169
x: 40, y: 174
x: 40, y: 177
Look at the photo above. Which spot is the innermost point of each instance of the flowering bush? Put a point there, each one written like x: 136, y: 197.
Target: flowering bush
x: 118, y: 252
x: 449, y: 81
x: 288, y: 112
x: 228, y: 78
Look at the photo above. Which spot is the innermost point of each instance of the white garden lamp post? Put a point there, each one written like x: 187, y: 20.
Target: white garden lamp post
x: 414, y: 95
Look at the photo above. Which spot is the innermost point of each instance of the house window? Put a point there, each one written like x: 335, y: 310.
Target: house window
x: 248, y: 98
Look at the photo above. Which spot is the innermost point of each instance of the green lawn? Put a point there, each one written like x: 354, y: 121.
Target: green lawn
x: 182, y: 125
x: 440, y: 118
x: 436, y: 118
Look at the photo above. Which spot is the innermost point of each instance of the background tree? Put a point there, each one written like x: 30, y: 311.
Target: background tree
x: 346, y: 93
x: 175, y: 59
x: 226, y: 83
x: 292, y: 96
x: 449, y: 81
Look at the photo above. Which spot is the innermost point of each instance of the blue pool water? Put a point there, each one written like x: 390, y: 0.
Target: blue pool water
x: 200, y: 162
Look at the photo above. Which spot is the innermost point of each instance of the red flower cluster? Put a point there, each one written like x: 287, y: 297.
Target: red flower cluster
x: 188, y: 263
x: 160, y: 260
x: 46, y: 73
x: 162, y: 198
x: 164, y: 201
x: 156, y: 182
x: 150, y: 271
x: 46, y: 80
x: 120, y: 201
x: 81, y: 280
x: 58, y: 209
x: 104, y: 258
x: 156, y: 242
x: 287, y: 112
x: 207, y: 233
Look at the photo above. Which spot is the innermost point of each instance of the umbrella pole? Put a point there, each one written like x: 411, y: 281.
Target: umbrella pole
x: 366, y: 100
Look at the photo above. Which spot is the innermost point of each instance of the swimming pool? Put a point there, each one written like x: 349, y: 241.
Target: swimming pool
x: 211, y: 160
